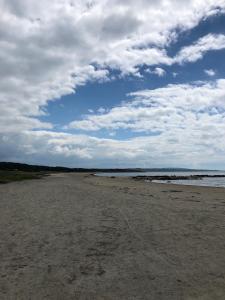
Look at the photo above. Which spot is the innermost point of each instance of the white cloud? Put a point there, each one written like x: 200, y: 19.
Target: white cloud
x: 196, y: 51
x: 101, y: 110
x: 63, y: 44
x: 160, y: 72
x: 160, y: 109
x: 157, y: 71
x: 196, y: 147
x: 182, y: 120
x: 210, y: 72
x: 185, y: 125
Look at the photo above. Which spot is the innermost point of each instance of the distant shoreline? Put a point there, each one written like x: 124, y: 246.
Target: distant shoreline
x: 211, y: 178
x: 34, y: 168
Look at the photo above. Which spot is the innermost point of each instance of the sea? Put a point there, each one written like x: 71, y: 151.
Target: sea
x: 207, y: 181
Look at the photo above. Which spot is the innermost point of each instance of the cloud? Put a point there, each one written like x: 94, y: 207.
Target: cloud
x: 197, y: 146
x: 157, y: 71
x: 183, y: 123
x: 210, y: 72
x: 49, y: 48
x: 64, y: 44
x: 61, y: 45
x: 196, y: 51
x: 180, y: 120
x: 161, y: 109
x: 101, y: 110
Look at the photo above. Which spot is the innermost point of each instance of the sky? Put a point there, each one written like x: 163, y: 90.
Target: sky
x: 109, y: 83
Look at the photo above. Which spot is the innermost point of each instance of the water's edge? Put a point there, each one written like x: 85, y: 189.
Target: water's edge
x: 201, y: 178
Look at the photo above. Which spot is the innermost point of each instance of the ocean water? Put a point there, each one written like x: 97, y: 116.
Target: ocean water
x: 213, y: 182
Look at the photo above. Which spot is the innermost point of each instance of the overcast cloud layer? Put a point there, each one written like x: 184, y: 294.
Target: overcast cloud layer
x: 50, y: 48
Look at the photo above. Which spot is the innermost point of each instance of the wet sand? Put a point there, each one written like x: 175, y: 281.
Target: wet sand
x: 76, y: 236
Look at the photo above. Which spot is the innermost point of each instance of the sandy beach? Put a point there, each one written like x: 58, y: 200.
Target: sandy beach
x: 78, y: 236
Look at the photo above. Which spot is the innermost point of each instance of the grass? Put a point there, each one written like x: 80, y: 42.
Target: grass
x: 9, y: 176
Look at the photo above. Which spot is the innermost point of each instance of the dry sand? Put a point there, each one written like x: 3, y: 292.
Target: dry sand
x: 76, y: 236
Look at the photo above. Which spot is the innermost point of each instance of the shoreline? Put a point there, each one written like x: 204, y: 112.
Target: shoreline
x: 171, y: 179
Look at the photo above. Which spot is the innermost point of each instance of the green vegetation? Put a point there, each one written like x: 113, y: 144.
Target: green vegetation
x: 9, y: 176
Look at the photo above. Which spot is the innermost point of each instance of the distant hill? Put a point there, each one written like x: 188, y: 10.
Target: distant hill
x: 9, y: 166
